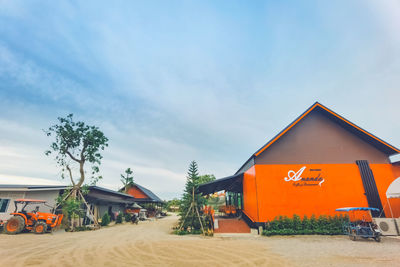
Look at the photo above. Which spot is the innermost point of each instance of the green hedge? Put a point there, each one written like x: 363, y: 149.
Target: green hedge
x: 322, y: 225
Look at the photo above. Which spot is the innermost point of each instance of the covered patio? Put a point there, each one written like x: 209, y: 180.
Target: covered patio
x: 229, y: 216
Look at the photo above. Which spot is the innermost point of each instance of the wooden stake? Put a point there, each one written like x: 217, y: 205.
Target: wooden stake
x: 193, y: 206
x: 88, y: 208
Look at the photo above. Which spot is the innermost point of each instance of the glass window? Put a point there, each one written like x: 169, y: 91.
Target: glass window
x: 4, y: 205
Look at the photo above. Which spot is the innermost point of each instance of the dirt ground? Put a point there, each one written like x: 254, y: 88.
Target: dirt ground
x: 150, y: 244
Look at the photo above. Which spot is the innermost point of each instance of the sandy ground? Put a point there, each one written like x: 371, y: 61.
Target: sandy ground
x: 150, y: 244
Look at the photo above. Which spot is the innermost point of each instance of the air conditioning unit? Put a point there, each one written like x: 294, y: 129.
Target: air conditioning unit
x: 388, y: 226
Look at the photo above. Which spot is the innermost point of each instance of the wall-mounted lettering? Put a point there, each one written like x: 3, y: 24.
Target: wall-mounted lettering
x: 298, y: 179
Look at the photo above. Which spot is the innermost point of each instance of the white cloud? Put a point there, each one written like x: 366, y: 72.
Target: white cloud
x: 7, y: 179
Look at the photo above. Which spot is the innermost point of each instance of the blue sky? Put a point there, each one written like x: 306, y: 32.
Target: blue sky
x: 173, y: 81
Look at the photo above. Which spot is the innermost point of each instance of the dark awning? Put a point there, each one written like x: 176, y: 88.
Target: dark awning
x: 232, y: 183
x: 106, y: 196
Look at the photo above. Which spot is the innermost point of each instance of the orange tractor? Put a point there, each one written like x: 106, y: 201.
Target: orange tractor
x: 35, y: 221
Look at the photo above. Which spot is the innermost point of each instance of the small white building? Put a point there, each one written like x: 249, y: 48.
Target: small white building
x: 100, y: 200
x: 8, y: 193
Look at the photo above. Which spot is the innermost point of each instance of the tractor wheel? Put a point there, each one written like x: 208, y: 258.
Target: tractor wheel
x: 40, y: 228
x: 14, y: 225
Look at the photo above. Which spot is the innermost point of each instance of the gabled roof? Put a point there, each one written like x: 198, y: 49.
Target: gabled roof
x: 353, y: 128
x: 151, y: 196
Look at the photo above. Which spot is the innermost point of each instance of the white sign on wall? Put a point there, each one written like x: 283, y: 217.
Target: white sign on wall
x: 299, y: 179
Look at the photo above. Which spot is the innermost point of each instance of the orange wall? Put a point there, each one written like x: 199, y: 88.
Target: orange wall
x: 342, y: 187
x: 249, y: 194
x: 135, y: 192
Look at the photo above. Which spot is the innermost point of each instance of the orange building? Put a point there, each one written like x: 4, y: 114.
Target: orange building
x: 318, y: 163
x: 142, y: 194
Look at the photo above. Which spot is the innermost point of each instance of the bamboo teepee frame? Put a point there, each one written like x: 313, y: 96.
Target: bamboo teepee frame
x: 193, y: 206
x: 80, y: 195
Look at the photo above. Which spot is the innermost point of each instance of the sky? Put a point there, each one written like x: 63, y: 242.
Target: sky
x: 169, y: 82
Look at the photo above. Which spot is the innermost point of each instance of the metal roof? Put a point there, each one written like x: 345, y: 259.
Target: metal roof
x: 351, y: 127
x: 151, y: 197
x: 150, y: 194
x: 357, y: 208
x: 20, y: 187
x: 109, y: 191
x: 232, y: 183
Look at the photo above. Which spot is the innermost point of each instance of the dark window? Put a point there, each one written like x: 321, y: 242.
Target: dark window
x: 4, y: 205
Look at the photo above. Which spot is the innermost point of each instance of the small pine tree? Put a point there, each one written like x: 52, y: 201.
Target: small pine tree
x: 127, y: 179
x: 192, y: 183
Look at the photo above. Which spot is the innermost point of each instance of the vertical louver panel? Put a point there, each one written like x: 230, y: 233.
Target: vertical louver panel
x: 371, y: 191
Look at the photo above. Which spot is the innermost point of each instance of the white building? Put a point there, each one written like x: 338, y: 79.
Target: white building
x: 8, y: 193
x: 101, y: 200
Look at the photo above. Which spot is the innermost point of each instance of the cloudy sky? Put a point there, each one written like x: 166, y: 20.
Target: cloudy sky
x: 173, y: 81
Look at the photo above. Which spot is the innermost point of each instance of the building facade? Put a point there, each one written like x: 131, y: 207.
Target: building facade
x: 318, y: 163
x: 9, y: 193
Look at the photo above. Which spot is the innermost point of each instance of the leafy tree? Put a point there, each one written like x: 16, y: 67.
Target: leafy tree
x: 127, y: 179
x: 76, y: 144
x: 206, y: 178
x: 173, y: 203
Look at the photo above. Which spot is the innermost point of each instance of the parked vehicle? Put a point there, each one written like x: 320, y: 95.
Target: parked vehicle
x: 361, y: 228
x: 35, y: 221
x: 135, y: 218
x: 142, y: 214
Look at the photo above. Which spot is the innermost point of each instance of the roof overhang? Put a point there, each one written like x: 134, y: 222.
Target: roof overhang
x: 10, y: 187
x: 232, y: 183
x: 104, y: 196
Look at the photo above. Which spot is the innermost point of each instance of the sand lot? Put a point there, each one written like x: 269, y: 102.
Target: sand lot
x: 150, y: 244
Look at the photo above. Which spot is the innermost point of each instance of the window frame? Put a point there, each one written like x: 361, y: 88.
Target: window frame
x: 7, y: 205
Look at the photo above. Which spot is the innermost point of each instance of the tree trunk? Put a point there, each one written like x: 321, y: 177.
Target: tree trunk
x: 73, y: 196
x: 82, y: 172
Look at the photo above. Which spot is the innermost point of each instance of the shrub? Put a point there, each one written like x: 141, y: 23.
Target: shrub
x: 128, y: 217
x: 119, y: 218
x: 323, y: 225
x: 105, y: 220
x: 185, y: 232
x: 82, y: 228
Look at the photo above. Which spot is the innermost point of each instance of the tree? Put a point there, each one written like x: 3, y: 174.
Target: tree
x: 173, y: 204
x: 76, y: 144
x: 206, y: 178
x: 192, y: 183
x: 127, y: 180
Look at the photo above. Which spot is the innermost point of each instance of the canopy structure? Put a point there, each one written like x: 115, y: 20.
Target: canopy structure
x: 30, y: 200
x: 232, y: 183
x: 136, y: 206
x: 393, y: 190
x: 357, y: 208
